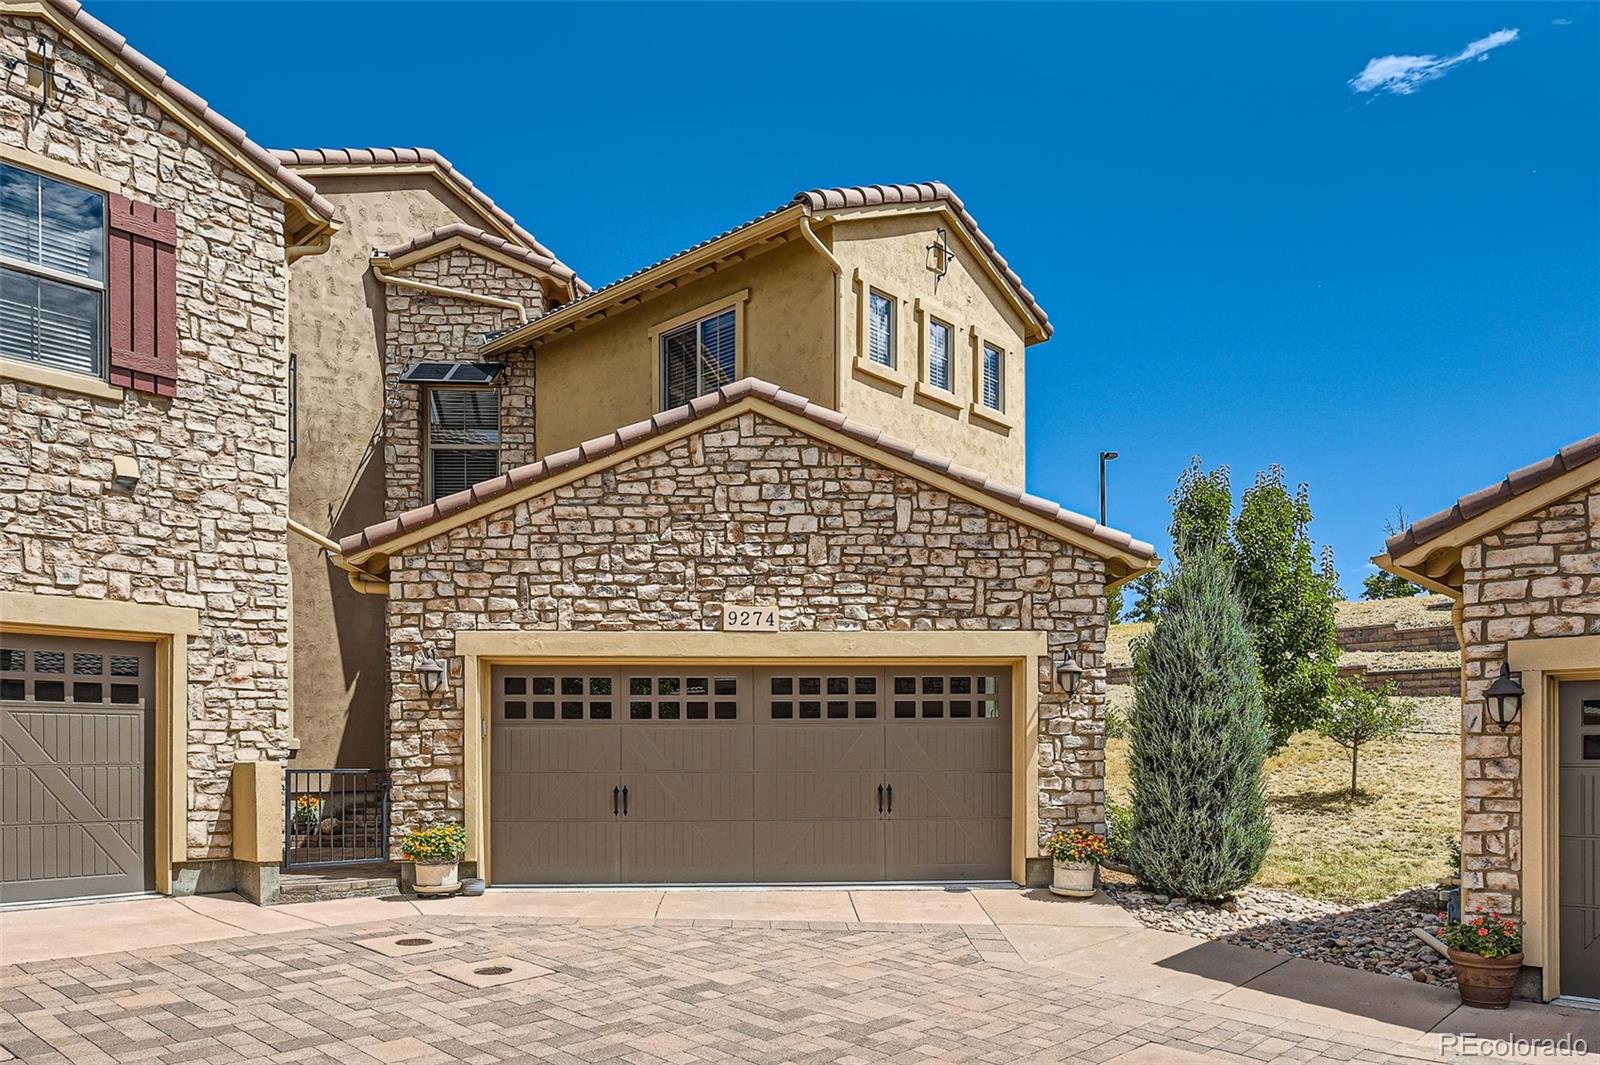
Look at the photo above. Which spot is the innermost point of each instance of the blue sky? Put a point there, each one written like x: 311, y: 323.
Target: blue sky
x: 1394, y: 293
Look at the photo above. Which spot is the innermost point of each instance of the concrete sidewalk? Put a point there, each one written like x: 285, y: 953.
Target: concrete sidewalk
x: 1091, y: 945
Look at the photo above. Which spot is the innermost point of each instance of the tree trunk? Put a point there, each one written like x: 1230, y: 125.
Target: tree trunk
x: 1355, y: 753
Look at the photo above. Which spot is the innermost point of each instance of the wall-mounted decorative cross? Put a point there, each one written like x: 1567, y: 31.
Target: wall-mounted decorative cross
x: 42, y: 77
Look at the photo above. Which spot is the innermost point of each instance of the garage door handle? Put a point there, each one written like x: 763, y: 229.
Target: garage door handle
x: 614, y: 793
x: 891, y: 798
x: 880, y: 798
x: 624, y: 800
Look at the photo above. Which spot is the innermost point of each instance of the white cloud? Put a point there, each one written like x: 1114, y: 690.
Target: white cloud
x: 1560, y: 22
x: 1402, y: 75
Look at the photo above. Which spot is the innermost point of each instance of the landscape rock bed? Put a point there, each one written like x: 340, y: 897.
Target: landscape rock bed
x: 1376, y: 937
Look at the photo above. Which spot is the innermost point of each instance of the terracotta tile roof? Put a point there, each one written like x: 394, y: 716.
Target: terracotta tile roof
x: 1512, y: 485
x: 524, y: 476
x: 927, y: 192
x: 304, y: 192
x: 299, y: 157
x: 533, y: 258
x: 834, y: 199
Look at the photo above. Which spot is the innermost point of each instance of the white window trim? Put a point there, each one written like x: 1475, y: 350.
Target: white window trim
x: 895, y: 374
x: 95, y: 384
x: 735, y: 301
x: 427, y: 432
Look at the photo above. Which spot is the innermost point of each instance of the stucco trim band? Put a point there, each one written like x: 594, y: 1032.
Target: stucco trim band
x: 1027, y: 653
x: 169, y: 628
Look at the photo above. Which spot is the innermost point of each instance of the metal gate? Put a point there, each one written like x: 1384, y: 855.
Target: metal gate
x: 335, y: 817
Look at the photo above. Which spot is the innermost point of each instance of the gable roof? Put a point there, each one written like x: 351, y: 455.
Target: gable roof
x: 820, y: 203
x: 457, y: 233
x: 1510, y: 487
x: 314, y: 161
x: 112, y: 50
x: 1129, y: 556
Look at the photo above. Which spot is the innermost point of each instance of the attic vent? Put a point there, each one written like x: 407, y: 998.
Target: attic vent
x: 452, y: 373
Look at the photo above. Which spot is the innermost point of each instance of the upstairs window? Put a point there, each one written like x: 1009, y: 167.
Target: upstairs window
x: 52, y: 272
x: 992, y: 385
x: 880, y: 329
x: 698, y: 358
x: 941, y: 347
x: 463, y: 439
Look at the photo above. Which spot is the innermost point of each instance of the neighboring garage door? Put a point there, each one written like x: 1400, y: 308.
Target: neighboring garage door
x: 76, y: 749
x: 707, y: 775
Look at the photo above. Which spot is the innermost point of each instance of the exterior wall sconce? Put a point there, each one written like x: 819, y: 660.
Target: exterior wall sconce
x: 1504, y: 697
x: 429, y: 670
x: 1068, y: 672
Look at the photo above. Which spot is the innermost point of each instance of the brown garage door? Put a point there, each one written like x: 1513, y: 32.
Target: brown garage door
x: 710, y: 775
x: 76, y: 748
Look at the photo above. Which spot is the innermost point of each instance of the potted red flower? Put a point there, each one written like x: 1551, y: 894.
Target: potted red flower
x: 1077, y: 853
x: 1486, y: 951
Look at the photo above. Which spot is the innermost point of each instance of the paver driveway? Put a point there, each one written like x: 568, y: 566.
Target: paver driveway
x: 684, y: 990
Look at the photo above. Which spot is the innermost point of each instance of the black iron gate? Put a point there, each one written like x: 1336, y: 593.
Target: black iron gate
x: 335, y: 817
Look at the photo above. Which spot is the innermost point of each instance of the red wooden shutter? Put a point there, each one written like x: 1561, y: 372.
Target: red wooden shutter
x: 143, y: 297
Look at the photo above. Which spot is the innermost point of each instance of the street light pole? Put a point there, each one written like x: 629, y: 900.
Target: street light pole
x: 1105, y: 457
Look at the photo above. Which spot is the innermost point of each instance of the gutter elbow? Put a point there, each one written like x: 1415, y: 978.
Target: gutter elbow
x: 822, y: 249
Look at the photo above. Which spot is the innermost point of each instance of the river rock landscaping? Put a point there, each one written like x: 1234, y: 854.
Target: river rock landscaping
x: 1376, y: 937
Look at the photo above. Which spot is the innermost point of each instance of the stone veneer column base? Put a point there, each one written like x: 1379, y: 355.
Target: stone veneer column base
x: 256, y: 881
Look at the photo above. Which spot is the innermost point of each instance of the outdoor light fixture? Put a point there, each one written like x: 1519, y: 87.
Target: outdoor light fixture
x: 1067, y: 674
x: 429, y: 670
x: 1504, y: 697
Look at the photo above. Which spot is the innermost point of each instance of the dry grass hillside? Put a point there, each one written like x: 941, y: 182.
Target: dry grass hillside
x: 1394, y: 835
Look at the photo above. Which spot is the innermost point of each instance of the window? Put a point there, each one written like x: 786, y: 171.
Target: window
x: 463, y: 438
x: 880, y: 328
x: 993, y: 384
x: 698, y: 358
x: 52, y: 272
x: 940, y: 348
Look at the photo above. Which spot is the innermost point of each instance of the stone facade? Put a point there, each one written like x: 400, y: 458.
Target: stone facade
x: 423, y: 325
x: 205, y: 527
x: 1537, y: 577
x: 747, y: 508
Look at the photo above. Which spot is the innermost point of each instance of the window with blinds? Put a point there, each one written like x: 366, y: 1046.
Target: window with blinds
x: 698, y: 358
x: 463, y: 439
x: 993, y: 384
x: 940, y: 350
x: 880, y: 329
x: 52, y: 272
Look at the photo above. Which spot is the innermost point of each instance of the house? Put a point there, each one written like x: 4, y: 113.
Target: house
x: 720, y: 572
x: 1521, y: 558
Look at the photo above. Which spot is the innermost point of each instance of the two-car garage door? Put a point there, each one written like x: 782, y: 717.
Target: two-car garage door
x: 684, y: 774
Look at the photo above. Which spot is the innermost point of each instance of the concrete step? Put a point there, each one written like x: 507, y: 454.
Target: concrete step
x: 377, y: 882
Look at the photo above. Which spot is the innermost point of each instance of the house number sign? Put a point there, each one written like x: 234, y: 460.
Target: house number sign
x: 749, y: 617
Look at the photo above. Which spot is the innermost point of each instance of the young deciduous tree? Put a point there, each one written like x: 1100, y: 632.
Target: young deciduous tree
x: 1114, y: 606
x: 1385, y: 585
x: 1198, y: 738
x: 1354, y: 716
x: 1147, y: 586
x: 1202, y: 504
x: 1289, y: 601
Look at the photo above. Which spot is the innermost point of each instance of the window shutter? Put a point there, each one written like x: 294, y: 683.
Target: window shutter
x: 142, y: 297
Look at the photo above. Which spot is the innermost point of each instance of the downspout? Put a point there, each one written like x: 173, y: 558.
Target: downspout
x: 454, y: 293
x: 361, y: 580
x: 838, y: 278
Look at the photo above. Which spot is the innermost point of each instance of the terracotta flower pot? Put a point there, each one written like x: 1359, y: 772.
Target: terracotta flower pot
x: 1073, y: 879
x: 1486, y: 983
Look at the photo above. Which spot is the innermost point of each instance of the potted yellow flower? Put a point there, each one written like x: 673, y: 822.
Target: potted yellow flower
x: 1076, y: 854
x: 436, y: 851
x: 1487, y: 954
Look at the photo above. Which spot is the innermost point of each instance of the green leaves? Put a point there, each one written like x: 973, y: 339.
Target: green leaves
x: 1198, y: 738
x: 1353, y: 716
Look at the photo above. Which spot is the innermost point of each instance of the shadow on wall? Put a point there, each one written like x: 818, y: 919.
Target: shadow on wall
x: 359, y: 625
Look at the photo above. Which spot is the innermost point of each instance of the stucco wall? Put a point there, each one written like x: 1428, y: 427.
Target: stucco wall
x: 603, y: 375
x: 1535, y: 578
x: 747, y: 508
x: 891, y: 254
x: 337, y: 325
x: 204, y: 528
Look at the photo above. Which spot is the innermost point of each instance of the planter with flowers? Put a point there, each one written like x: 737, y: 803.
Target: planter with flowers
x: 1486, y: 950
x: 1076, y: 854
x: 436, y: 851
